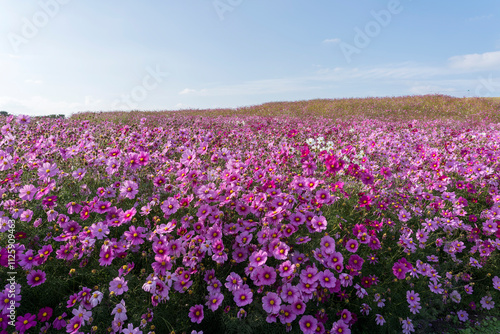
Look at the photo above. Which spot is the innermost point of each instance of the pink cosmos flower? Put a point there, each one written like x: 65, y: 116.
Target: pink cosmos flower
x: 298, y: 307
x: 345, y: 316
x: 48, y: 170
x: 120, y: 311
x: 135, y: 235
x: 106, y: 256
x: 399, y: 270
x: 308, y: 324
x: 286, y: 314
x: 322, y: 196
x: 99, y: 230
x: 242, y: 296
x: 118, y: 285
x: 214, y: 300
x: 327, y: 244
x: 436, y: 288
x: 379, y: 319
x: 81, y: 312
x: 233, y: 282
x: 340, y: 327
x: 319, y: 223
x: 74, y: 325
x: 309, y: 275
x: 196, y: 313
x: 289, y: 293
x: 204, y: 211
x: 412, y: 297
x: 271, y: 303
x: 26, y: 216
x: 258, y: 258
x: 404, y: 215
x: 265, y: 275
x: 352, y: 245
x: 129, y: 189
x: 79, y: 174
x: 356, y: 262
x: 281, y: 251
x: 487, y: 302
x: 496, y: 283
x: 170, y: 206
x: 23, y: 323
x: 327, y: 279
x: 36, y: 277
x: 102, y: 206
x: 462, y: 315
x: 27, y: 192
x: 286, y: 268
x: 45, y: 314
x: 131, y: 330
x: 60, y: 322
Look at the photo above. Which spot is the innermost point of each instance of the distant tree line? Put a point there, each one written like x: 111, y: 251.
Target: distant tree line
x: 4, y: 113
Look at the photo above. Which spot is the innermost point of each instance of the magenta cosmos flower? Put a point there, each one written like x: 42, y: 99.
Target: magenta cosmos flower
x: 271, y: 303
x: 170, y: 206
x: 265, y: 275
x: 36, y: 277
x: 243, y: 296
x: 74, y: 325
x: 327, y: 244
x: 352, y: 246
x: 45, y: 314
x: 134, y: 235
x: 308, y: 324
x: 258, y: 258
x: 214, y: 300
x: 25, y: 322
x: 340, y: 327
x: 196, y: 313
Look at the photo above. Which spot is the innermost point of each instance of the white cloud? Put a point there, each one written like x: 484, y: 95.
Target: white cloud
x: 476, y: 61
x: 187, y: 91
x: 332, y: 41
x: 32, y: 81
x: 40, y: 106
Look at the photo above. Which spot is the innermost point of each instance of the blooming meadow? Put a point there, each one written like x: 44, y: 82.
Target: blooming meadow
x: 219, y: 224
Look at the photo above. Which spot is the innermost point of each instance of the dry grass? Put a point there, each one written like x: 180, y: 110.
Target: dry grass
x: 421, y: 107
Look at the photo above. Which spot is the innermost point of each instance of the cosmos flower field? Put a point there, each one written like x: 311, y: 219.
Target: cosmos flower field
x: 247, y: 223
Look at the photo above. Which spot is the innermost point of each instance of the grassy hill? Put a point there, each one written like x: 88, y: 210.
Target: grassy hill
x: 426, y: 107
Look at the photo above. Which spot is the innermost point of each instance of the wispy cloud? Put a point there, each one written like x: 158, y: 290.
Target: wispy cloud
x: 332, y: 41
x: 480, y: 17
x: 186, y: 91
x: 476, y: 61
x: 411, y: 77
x: 32, y: 81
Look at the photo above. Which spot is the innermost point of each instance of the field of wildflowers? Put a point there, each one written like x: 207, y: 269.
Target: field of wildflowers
x: 294, y: 217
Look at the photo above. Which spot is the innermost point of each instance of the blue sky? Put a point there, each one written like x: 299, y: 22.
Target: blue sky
x: 66, y: 56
